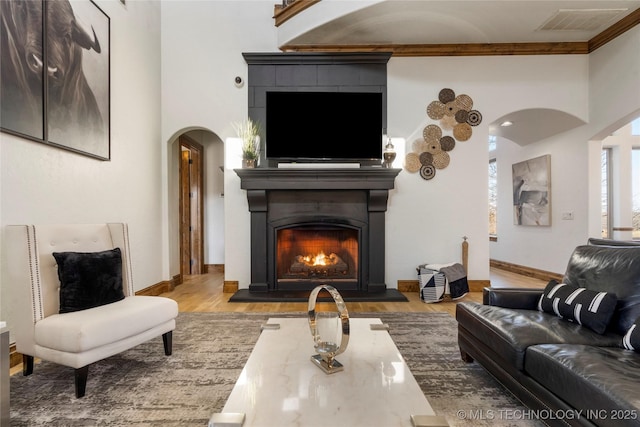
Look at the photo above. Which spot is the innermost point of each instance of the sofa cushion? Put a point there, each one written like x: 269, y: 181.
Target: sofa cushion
x: 84, y: 330
x: 510, y: 331
x: 589, y: 308
x: 609, y: 269
x: 631, y: 340
x: 89, y: 279
x: 600, y: 381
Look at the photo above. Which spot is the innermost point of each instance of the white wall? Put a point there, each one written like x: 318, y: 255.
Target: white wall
x: 430, y: 217
x: 167, y: 82
x: 614, y: 74
x: 202, y: 45
x: 42, y: 184
x: 545, y: 247
x: 426, y: 220
x: 613, y: 78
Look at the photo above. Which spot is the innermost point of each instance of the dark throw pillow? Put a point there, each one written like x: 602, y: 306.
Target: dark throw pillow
x: 631, y: 340
x: 89, y: 279
x: 586, y: 307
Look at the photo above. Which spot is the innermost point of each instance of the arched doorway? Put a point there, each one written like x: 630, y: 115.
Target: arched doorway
x: 196, y: 202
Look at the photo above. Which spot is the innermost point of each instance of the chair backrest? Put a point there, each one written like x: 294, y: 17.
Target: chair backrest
x: 31, y: 263
x: 610, y: 242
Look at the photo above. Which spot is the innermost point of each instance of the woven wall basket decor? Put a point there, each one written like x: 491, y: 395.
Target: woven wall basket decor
x: 432, y: 133
x: 455, y: 114
x: 441, y: 160
x: 419, y: 146
x: 462, y: 132
x: 435, y: 110
x: 412, y: 162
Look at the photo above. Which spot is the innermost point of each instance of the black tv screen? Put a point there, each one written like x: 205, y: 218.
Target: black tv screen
x: 324, y: 126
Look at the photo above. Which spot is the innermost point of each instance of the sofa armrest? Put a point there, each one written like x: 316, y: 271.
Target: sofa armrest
x: 525, y: 298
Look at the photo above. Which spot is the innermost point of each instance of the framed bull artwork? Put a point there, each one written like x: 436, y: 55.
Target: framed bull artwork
x: 55, y: 74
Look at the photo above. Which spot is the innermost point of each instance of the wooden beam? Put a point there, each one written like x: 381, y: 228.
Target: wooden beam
x: 468, y: 49
x: 622, y: 26
x: 282, y: 14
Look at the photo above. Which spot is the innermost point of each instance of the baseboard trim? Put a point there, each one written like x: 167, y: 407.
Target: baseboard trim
x: 214, y: 268
x: 526, y: 271
x: 230, y: 286
x: 414, y: 285
x: 162, y: 287
x: 408, y: 286
x: 15, y: 358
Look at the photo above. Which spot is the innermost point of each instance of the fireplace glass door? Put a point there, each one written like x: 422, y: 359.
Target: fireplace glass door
x: 317, y: 254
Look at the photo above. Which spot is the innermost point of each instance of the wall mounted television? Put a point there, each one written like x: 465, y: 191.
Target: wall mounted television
x: 324, y: 127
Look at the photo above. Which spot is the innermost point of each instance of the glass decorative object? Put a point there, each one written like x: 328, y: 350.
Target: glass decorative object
x: 329, y: 329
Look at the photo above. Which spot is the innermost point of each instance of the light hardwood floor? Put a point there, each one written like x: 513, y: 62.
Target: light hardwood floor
x: 203, y: 293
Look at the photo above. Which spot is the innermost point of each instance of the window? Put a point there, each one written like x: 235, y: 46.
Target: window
x: 493, y: 144
x: 493, y: 189
x: 493, y: 198
x: 635, y: 127
x: 606, y: 193
x: 635, y: 191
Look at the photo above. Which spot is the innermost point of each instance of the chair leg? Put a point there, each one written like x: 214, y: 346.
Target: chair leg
x: 167, y: 340
x: 27, y: 365
x: 81, y: 375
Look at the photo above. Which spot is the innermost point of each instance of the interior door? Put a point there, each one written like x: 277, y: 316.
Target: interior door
x: 191, y: 207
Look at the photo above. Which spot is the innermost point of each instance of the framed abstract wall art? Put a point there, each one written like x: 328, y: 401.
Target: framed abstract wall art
x: 55, y: 74
x: 532, y: 191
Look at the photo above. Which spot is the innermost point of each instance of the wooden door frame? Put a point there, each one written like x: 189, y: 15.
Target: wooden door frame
x: 191, y: 145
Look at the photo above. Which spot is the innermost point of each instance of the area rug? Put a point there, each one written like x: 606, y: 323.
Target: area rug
x: 143, y: 387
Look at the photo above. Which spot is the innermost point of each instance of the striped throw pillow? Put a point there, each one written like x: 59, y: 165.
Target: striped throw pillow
x: 580, y: 305
x: 631, y: 340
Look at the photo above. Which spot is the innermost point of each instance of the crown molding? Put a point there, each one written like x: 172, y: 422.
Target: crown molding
x: 620, y: 27
x: 469, y: 49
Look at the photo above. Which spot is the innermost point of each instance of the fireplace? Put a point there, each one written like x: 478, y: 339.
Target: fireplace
x: 317, y: 226
x: 310, y: 253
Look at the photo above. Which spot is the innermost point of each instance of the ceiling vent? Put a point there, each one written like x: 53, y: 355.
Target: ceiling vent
x: 581, y: 19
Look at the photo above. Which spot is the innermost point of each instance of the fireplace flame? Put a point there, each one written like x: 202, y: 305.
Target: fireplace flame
x: 305, y: 264
x: 320, y: 259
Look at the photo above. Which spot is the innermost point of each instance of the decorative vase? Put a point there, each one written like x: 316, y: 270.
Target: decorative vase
x: 248, y: 163
x: 329, y: 329
x: 389, y: 154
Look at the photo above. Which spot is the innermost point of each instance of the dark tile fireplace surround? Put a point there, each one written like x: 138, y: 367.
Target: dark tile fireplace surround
x: 318, y: 199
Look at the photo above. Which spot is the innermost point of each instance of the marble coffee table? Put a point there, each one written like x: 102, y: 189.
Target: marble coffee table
x: 280, y: 386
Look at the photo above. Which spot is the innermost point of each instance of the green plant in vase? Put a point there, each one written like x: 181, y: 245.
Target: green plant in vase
x: 249, y: 132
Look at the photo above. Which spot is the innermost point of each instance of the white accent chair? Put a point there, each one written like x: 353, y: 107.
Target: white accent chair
x: 78, y: 338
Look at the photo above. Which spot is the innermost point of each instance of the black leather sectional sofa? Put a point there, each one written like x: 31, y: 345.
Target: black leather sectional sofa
x: 567, y: 372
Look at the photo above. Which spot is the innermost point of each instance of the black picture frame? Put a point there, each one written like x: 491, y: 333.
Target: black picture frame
x: 56, y: 92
